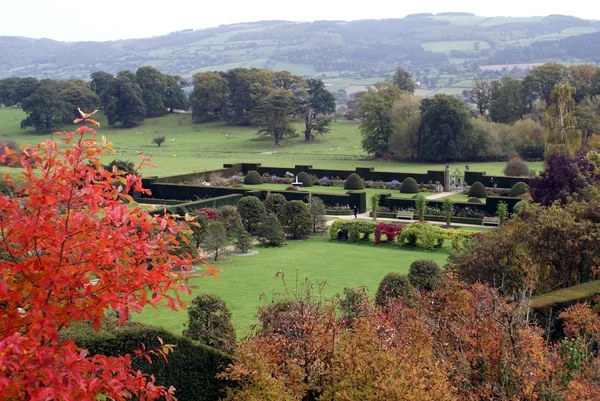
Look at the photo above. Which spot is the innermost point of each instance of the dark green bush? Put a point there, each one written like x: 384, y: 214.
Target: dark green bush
x: 192, y: 367
x: 243, y: 241
x: 424, y: 274
x: 275, y: 203
x: 252, y: 178
x: 409, y: 186
x: 252, y: 211
x: 354, y: 182
x: 126, y: 166
x: 229, y: 216
x: 393, y: 285
x: 477, y: 190
x: 474, y: 200
x: 270, y: 231
x: 305, y: 179
x: 518, y: 189
x: 209, y: 322
x: 298, y: 221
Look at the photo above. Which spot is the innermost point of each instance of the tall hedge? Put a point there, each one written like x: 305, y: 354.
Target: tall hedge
x: 409, y: 186
x: 192, y: 367
x: 354, y: 182
x: 477, y: 190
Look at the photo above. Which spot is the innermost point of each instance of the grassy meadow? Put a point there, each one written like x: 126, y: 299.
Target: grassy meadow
x: 197, y: 147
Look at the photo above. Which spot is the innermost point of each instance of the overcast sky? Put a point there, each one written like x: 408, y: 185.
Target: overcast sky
x: 69, y: 20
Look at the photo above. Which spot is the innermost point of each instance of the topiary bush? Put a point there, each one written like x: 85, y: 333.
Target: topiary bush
x: 275, y: 203
x: 253, y: 178
x: 518, y: 189
x: 305, y: 179
x: 192, y: 367
x: 516, y: 167
x: 424, y: 274
x: 393, y: 286
x: 409, y: 186
x: 229, y: 216
x: 298, y: 221
x: 474, y: 200
x: 209, y: 322
x: 252, y: 212
x: 423, y: 235
x: 354, y: 182
x: 270, y: 231
x: 477, y: 190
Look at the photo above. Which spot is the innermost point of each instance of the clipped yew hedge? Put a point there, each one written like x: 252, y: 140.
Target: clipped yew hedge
x: 357, y: 229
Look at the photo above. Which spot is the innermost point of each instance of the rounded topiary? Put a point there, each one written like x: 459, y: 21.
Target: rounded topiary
x: 516, y: 167
x: 409, y: 186
x: 518, y: 189
x: 354, y: 182
x: 477, y: 190
x: 424, y: 274
x: 305, y: 179
x: 393, y: 285
x: 474, y: 200
x: 253, y: 178
x: 519, y: 205
x: 210, y: 322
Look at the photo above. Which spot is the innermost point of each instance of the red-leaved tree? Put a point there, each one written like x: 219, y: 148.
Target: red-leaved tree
x: 71, y: 248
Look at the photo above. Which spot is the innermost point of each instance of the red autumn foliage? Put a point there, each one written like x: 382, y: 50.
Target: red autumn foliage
x: 70, y: 249
x: 211, y: 214
x: 390, y: 230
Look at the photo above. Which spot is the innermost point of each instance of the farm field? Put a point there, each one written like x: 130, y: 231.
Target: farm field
x: 246, y: 278
x: 197, y: 147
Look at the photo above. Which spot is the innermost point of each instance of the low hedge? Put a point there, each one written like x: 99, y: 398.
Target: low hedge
x: 357, y: 229
x: 339, y: 212
x: 192, y: 367
x: 462, y: 220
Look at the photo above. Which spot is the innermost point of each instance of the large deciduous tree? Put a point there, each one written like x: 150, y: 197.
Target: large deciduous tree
x: 507, y: 103
x: 209, y: 97
x: 403, y: 80
x: 153, y: 84
x: 314, y: 104
x: 175, y: 96
x: 73, y: 248
x: 445, y: 131
x: 375, y: 109
x: 544, y: 78
x: 480, y: 95
x: 562, y: 133
x: 45, y: 110
x: 122, y: 100
x: 406, y: 119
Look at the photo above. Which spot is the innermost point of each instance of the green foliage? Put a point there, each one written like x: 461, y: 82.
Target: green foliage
x: 354, y: 182
x: 210, y: 323
x: 409, y: 186
x: 159, y: 140
x: 446, y: 130
x: 298, y: 220
x: 191, y: 368
x: 45, y: 110
x: 270, y: 231
x: 508, y: 100
x: 502, y: 212
x: 273, y: 116
x: 232, y: 222
x: 357, y: 229
x: 253, y: 178
x: 127, y: 166
x: 154, y: 88
x: 354, y: 304
x: 243, y: 241
x: 375, y: 205
x: 393, y: 286
x: 423, y: 235
x: 544, y: 78
x: 317, y: 210
x: 315, y: 104
x: 252, y: 212
x: 305, y: 179
x: 477, y: 190
x: 474, y: 200
x: 403, y: 80
x: 448, y: 209
x: 518, y: 189
x: 516, y: 167
x: 275, y: 203
x: 376, y: 128
x: 209, y: 98
x: 420, y: 205
x: 175, y: 97
x: 563, y: 135
x: 424, y: 274
x: 121, y: 100
x: 216, y: 238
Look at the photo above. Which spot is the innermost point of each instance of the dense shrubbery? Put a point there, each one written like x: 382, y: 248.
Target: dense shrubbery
x: 390, y: 230
x: 192, y: 367
x: 477, y: 190
x: 393, y: 286
x: 210, y: 322
x: 421, y: 234
x: 270, y: 232
x: 424, y: 274
x: 518, y: 189
x: 409, y: 186
x: 298, y: 221
x: 354, y: 182
x: 516, y: 167
x: 275, y: 203
x: 357, y: 229
x: 253, y: 178
x: 252, y: 212
x: 305, y: 179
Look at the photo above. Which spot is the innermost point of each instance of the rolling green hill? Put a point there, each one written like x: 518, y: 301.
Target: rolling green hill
x: 328, y: 49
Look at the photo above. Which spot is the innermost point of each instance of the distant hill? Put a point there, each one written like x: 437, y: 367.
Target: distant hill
x: 329, y: 49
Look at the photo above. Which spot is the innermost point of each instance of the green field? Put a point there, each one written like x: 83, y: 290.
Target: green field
x: 197, y: 147
x: 246, y: 278
x: 447, y: 46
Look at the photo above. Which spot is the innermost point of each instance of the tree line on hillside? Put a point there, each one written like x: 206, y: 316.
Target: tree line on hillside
x: 553, y: 109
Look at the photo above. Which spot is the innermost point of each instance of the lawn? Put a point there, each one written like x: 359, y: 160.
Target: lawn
x: 461, y: 198
x: 447, y: 46
x: 246, y: 278
x: 580, y: 291
x: 197, y: 147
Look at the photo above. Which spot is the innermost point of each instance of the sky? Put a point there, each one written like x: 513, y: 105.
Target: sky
x: 68, y: 20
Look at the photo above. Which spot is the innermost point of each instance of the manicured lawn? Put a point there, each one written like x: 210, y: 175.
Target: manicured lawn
x: 461, y: 198
x: 567, y: 294
x: 246, y: 278
x: 197, y: 147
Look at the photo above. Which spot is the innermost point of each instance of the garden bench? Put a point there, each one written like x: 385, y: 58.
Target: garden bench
x: 405, y: 215
x: 490, y: 220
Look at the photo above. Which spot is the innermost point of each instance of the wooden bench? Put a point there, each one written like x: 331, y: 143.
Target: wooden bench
x: 490, y: 220
x: 405, y: 215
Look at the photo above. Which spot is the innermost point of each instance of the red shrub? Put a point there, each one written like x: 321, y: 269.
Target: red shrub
x: 390, y: 230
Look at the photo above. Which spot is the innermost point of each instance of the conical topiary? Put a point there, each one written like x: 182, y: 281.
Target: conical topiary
x: 305, y: 179
x: 477, y: 190
x: 354, y: 182
x: 253, y: 178
x: 409, y: 186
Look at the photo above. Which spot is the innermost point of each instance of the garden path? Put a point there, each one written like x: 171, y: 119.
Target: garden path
x: 440, y: 195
